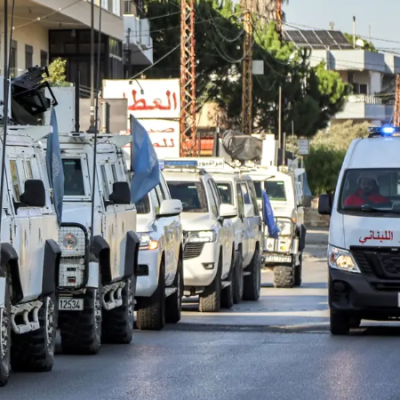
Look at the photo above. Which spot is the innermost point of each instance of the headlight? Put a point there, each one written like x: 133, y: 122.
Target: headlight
x: 70, y: 241
x: 285, y: 227
x: 201, y: 236
x: 341, y: 259
x: 147, y: 242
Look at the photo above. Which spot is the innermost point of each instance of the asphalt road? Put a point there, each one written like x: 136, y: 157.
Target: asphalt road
x: 277, y: 348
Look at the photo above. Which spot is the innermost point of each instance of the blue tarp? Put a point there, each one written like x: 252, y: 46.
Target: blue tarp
x: 54, y: 166
x: 269, y: 218
x: 144, y: 162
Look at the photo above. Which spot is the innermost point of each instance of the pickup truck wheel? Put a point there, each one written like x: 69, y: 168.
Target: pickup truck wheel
x: 227, y: 292
x: 151, y: 314
x: 173, y: 303
x: 252, y: 282
x: 284, y: 276
x: 34, y: 351
x: 339, y: 323
x: 5, y: 338
x: 81, y: 330
x: 117, y: 325
x: 238, y: 278
x: 298, y: 271
x: 210, y: 299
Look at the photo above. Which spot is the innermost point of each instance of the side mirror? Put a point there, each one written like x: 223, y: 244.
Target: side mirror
x: 170, y: 208
x: 228, y: 211
x: 34, y: 194
x: 248, y: 211
x: 324, y: 204
x: 121, y: 193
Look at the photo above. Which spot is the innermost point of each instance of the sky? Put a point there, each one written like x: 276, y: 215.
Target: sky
x: 379, y: 16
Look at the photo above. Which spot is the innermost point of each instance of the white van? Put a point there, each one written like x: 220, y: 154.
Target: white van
x: 364, y: 235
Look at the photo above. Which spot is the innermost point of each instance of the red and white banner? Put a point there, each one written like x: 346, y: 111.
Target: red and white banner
x: 147, y: 98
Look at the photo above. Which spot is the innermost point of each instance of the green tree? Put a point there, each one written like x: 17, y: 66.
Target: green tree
x: 323, y: 166
x: 368, y: 46
x: 57, y: 73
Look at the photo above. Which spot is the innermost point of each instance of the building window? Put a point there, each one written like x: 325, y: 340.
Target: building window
x: 43, y: 58
x: 360, y: 88
x: 104, y: 4
x: 13, y: 59
x: 28, y: 56
x: 128, y: 7
x: 116, y: 7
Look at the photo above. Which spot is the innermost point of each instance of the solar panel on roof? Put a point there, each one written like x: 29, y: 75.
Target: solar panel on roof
x: 325, y: 38
x: 297, y: 37
x: 311, y: 37
x: 340, y: 38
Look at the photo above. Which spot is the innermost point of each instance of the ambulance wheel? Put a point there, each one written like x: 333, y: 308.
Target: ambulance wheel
x: 34, y: 351
x: 252, y: 282
x: 81, y: 330
x: 284, y: 276
x: 339, y: 323
x: 117, y: 325
x: 5, y: 336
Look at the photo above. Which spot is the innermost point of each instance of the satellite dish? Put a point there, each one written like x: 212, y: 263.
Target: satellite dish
x: 360, y: 43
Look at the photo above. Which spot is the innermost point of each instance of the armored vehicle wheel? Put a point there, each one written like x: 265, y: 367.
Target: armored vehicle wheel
x: 339, y: 323
x: 173, y: 303
x: 117, y: 326
x: 238, y: 279
x: 284, y: 276
x: 5, y: 338
x: 210, y: 299
x: 252, y: 282
x: 81, y: 330
x: 298, y: 271
x: 151, y: 312
x: 34, y: 351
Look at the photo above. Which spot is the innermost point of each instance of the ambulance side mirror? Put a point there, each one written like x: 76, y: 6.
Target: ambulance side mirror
x: 324, y: 204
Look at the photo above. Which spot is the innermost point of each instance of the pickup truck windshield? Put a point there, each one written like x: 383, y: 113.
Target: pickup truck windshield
x: 370, y: 191
x: 73, y: 177
x: 191, y: 194
x: 275, y: 190
x: 225, y: 192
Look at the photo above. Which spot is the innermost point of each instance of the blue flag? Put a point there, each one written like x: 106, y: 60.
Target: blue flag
x: 144, y: 162
x: 54, y: 166
x: 269, y: 218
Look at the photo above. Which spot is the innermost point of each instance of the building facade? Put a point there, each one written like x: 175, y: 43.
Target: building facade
x: 370, y: 74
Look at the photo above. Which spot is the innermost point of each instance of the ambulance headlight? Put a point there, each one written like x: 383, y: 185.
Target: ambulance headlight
x: 341, y: 259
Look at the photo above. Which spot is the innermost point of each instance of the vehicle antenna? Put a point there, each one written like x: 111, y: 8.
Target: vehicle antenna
x: 6, y: 85
x: 96, y: 122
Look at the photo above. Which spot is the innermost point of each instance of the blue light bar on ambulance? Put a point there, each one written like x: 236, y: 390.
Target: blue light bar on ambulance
x: 180, y: 163
x: 383, y: 130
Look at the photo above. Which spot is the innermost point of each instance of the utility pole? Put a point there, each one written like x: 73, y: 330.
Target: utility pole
x: 396, y: 115
x: 128, y: 41
x: 188, y: 80
x: 92, y: 68
x: 247, y: 70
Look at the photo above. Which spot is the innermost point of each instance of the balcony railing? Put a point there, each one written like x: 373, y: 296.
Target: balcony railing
x: 368, y: 99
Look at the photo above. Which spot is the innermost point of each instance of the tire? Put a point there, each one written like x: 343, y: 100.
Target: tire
x: 252, y: 282
x: 81, y: 331
x: 355, y: 322
x: 339, y: 323
x: 151, y: 314
x: 117, y: 325
x: 284, y: 276
x: 34, y: 351
x: 227, y: 292
x: 297, y: 272
x: 173, y: 303
x: 210, y: 299
x: 5, y: 338
x: 238, y: 279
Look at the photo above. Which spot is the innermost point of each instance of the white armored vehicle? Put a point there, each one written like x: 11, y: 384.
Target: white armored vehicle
x: 208, y: 233
x: 30, y: 255
x: 97, y: 279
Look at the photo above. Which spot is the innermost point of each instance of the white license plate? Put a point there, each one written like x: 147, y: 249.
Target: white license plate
x: 70, y: 304
x: 278, y: 259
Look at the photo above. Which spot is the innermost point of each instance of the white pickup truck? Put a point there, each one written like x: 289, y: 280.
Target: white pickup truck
x: 208, y: 232
x: 159, y: 286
